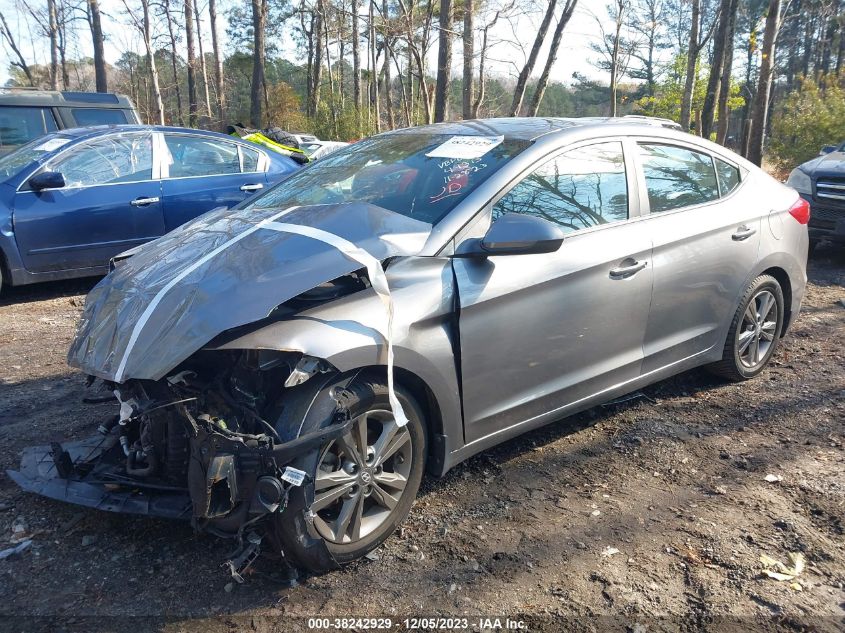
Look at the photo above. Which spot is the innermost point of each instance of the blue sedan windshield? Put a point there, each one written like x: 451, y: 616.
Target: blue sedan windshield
x: 12, y: 164
x: 421, y: 176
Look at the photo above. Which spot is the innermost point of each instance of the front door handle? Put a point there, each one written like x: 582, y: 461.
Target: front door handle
x: 628, y: 270
x: 143, y: 202
x: 252, y: 187
x: 743, y: 233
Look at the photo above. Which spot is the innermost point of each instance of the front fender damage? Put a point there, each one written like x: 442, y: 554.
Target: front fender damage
x: 198, y: 436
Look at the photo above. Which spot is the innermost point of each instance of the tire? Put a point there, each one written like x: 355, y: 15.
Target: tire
x: 811, y: 247
x: 748, y: 348
x: 311, y: 528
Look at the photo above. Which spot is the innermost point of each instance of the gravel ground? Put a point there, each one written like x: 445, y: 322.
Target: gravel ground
x: 646, y: 515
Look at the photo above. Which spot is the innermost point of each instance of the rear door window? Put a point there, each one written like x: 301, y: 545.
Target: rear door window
x: 19, y: 125
x: 192, y: 156
x: 579, y: 189
x: 677, y: 177
x: 85, y: 117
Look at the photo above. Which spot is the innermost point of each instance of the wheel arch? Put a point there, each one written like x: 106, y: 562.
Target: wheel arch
x: 785, y: 282
x: 5, y: 272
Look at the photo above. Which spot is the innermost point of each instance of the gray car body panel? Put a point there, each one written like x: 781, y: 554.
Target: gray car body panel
x: 454, y: 314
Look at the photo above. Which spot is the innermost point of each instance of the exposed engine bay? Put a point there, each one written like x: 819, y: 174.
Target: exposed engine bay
x: 199, y: 445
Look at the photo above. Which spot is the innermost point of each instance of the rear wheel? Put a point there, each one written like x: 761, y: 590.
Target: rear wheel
x: 755, y: 331
x: 364, y: 482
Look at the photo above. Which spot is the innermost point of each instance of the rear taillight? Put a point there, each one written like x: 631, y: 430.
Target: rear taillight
x: 800, y: 211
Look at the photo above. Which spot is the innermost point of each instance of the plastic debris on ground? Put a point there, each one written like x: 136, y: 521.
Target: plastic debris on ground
x: 776, y: 570
x: 17, y: 549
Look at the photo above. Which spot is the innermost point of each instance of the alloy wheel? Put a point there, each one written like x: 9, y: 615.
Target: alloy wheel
x: 756, y: 335
x: 361, y: 477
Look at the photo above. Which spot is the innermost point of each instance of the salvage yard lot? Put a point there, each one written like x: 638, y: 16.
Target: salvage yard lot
x: 659, y: 506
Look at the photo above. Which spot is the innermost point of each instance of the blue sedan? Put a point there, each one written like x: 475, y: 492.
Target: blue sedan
x: 70, y: 201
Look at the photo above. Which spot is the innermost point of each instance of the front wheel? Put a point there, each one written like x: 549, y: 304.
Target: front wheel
x: 364, y: 482
x: 755, y: 331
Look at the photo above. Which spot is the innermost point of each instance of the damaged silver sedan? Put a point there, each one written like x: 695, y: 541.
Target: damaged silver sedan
x: 286, y: 371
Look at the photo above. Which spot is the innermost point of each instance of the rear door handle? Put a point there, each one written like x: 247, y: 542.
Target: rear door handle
x: 143, y: 202
x: 252, y: 187
x: 743, y: 233
x: 623, y: 272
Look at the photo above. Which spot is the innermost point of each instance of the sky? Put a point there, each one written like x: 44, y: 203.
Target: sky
x: 505, y: 57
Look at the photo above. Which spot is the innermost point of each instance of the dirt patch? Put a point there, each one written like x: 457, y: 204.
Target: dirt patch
x: 655, y: 511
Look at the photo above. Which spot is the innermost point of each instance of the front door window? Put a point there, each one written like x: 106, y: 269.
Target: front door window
x: 578, y: 189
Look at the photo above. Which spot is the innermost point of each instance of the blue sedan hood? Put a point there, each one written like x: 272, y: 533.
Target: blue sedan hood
x: 221, y: 271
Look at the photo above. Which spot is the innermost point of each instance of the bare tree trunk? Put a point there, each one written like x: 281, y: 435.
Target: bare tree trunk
x: 374, y: 103
x: 316, y: 64
x: 333, y: 102
x: 614, y: 57
x: 388, y: 80
x: 356, y: 64
x: 259, y: 19
x: 53, y: 33
x: 760, y: 111
x: 525, y: 74
x: 543, y: 81
x: 218, y: 64
x: 191, y: 61
x: 717, y: 67
x: 151, y: 61
x: 444, y: 63
x: 209, y: 113
x: 403, y: 95
x: 173, y: 63
x: 101, y: 80
x: 692, y: 59
x: 21, y: 63
x: 62, y: 31
x: 469, y: 53
x: 482, y: 84
x: 144, y: 25
x: 725, y: 88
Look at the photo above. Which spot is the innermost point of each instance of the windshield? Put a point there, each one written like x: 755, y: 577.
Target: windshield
x: 12, y: 164
x: 422, y: 176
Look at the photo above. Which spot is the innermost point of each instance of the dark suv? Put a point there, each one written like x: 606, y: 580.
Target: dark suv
x: 27, y: 114
x: 821, y: 182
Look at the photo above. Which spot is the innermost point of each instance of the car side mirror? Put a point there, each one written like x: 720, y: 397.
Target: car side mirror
x: 517, y: 234
x: 827, y: 149
x: 47, y: 180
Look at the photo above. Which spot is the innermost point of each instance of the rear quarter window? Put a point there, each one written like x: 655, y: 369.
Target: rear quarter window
x: 729, y: 178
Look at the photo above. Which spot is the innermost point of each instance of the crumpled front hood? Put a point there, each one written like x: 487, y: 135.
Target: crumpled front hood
x: 221, y: 271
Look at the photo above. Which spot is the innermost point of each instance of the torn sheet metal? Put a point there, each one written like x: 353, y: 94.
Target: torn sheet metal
x: 377, y: 278
x: 221, y: 271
